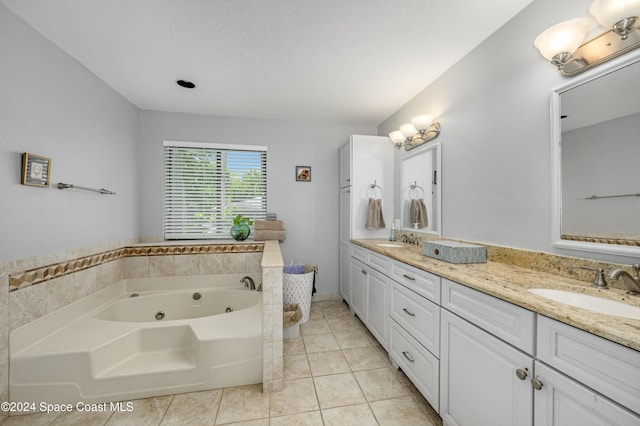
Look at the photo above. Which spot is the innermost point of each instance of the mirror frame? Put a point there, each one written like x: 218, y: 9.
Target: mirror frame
x: 556, y: 161
x: 438, y: 154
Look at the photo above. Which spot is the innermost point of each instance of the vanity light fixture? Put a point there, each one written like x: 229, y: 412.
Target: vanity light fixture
x: 420, y: 130
x: 563, y: 44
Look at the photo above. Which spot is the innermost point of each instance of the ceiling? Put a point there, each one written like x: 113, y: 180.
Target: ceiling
x: 350, y: 61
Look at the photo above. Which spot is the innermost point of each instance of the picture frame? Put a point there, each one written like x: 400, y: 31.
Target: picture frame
x: 36, y: 170
x: 303, y: 173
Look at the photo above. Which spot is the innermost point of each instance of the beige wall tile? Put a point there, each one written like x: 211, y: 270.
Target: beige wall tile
x: 26, y: 305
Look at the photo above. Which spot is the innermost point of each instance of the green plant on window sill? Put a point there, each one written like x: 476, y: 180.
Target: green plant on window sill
x: 241, y: 228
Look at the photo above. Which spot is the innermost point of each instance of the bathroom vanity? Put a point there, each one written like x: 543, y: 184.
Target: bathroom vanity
x: 483, y: 350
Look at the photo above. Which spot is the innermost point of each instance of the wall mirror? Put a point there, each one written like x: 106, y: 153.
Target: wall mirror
x: 420, y: 192
x: 595, y: 123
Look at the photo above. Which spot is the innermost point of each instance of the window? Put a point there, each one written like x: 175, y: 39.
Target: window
x: 207, y: 185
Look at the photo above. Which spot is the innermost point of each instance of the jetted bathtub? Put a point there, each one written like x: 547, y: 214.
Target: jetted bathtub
x: 140, y: 338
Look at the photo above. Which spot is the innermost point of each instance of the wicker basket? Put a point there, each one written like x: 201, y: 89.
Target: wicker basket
x: 297, y: 288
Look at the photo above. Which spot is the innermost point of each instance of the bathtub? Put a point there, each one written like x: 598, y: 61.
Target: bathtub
x: 141, y: 338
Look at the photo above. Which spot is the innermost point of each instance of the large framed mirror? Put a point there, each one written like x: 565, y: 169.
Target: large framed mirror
x: 420, y: 192
x: 595, y: 128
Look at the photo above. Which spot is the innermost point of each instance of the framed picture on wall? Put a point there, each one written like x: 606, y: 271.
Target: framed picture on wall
x: 303, y: 173
x: 36, y: 170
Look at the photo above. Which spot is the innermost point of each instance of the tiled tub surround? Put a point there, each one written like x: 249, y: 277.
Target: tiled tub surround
x: 43, y: 284
x: 509, y: 273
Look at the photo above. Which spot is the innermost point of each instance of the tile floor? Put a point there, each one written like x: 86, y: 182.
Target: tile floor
x: 336, y: 373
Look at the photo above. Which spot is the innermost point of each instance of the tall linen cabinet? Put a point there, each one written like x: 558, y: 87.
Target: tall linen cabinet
x: 366, y: 171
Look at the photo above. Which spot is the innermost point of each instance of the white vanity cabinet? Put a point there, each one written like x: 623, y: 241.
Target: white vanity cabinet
x: 370, y: 292
x: 486, y: 359
x: 580, y: 375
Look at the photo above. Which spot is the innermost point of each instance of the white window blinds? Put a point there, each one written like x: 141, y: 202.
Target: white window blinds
x: 207, y: 185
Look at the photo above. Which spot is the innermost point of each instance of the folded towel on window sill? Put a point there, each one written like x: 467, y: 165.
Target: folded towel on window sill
x: 265, y: 235
x: 269, y: 225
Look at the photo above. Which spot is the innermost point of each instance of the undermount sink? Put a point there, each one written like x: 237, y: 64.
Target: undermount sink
x: 592, y: 303
x: 389, y: 245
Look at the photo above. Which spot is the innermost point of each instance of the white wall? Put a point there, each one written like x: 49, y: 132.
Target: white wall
x: 52, y: 106
x: 308, y: 209
x: 494, y: 109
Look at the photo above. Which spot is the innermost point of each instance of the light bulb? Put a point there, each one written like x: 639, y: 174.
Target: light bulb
x: 564, y: 37
x: 609, y: 12
x: 421, y: 122
x: 396, y: 136
x: 408, y: 130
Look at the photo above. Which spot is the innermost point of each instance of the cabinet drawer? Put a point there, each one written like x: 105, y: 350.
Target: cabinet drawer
x: 607, y: 367
x: 380, y: 262
x: 416, y: 362
x: 417, y: 315
x: 359, y: 253
x: 504, y: 320
x: 422, y: 282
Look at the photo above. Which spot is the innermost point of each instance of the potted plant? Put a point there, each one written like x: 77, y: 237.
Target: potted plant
x: 241, y: 228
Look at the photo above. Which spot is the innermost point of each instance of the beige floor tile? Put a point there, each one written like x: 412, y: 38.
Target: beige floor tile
x: 352, y: 415
x: 320, y: 343
x: 298, y: 396
x: 243, y: 403
x: 40, y: 419
x: 315, y: 326
x: 196, y: 408
x: 352, y: 339
x: 293, y: 346
x: 338, y: 390
x: 331, y: 362
x: 312, y: 418
x: 335, y: 313
x: 83, y: 418
x: 380, y: 384
x: 344, y: 324
x: 399, y: 412
x: 366, y: 358
x: 329, y: 304
x: 296, y: 367
x: 145, y: 412
x: 258, y: 422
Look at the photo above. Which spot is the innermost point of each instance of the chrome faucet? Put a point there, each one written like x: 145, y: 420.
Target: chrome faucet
x: 632, y: 283
x: 409, y: 239
x: 248, y: 282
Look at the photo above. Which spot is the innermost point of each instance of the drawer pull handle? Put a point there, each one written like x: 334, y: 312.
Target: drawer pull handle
x: 408, y: 312
x: 521, y: 374
x: 408, y: 356
x: 409, y: 277
x: 536, y: 383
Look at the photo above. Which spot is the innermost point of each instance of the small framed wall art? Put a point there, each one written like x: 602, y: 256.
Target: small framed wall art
x: 36, y: 170
x: 303, y: 173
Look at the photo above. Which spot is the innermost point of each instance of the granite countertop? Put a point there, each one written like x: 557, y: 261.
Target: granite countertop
x: 510, y: 283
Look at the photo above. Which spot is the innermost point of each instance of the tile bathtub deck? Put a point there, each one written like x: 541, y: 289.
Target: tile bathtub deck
x: 336, y: 373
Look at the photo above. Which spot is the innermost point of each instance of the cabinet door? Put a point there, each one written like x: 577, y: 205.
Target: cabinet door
x: 479, y: 383
x: 358, y: 289
x: 563, y: 402
x: 345, y: 272
x: 345, y: 165
x: 377, y: 305
x: 345, y: 215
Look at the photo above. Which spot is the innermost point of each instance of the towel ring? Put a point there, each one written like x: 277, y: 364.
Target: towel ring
x: 372, y: 189
x: 412, y: 191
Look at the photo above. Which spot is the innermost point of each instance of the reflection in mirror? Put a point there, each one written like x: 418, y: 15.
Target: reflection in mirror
x: 420, y: 190
x: 598, y: 174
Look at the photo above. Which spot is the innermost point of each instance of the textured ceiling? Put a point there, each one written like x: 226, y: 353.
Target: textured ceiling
x: 353, y: 61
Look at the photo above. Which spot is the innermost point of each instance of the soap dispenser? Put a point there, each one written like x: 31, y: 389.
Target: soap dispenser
x: 392, y: 236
